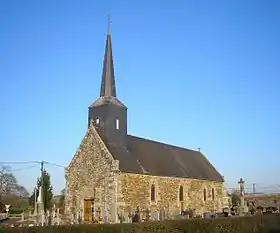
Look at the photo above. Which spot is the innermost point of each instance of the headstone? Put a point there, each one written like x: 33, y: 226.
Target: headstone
x: 129, y: 217
x: 53, y: 216
x: 122, y: 216
x: 176, y: 213
x: 49, y: 218
x: 125, y: 217
x: 72, y: 218
x: 58, y: 220
x: 105, y: 216
x: 136, y: 216
x: 42, y: 218
x: 161, y: 214
x: 167, y: 213
x: 155, y: 216
x: 129, y: 214
x: 147, y: 215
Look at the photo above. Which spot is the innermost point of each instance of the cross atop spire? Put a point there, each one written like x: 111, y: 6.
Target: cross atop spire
x: 108, y: 87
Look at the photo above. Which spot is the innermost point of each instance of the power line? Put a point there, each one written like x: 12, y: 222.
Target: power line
x: 29, y: 162
x: 19, y: 162
x: 54, y: 164
x: 23, y: 168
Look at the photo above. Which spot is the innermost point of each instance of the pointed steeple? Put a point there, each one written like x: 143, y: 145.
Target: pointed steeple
x: 108, y: 87
x: 108, y: 113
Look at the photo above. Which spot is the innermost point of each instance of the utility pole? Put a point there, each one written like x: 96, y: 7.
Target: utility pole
x: 254, y: 188
x: 42, y: 187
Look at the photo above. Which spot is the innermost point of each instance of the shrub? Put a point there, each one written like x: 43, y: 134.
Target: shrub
x: 15, y: 211
x: 253, y: 224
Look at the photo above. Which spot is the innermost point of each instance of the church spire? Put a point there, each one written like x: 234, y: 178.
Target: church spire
x: 108, y: 87
x: 108, y: 113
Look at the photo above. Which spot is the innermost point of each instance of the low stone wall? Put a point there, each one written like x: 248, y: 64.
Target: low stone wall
x: 264, y: 201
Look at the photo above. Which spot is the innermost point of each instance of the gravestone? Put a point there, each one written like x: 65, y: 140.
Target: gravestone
x: 58, y: 217
x: 161, y: 214
x: 175, y: 213
x: 155, y: 216
x: 43, y: 222
x: 53, y: 216
x: 147, y: 215
x: 136, y: 216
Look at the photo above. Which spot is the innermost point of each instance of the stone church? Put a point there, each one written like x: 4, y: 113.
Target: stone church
x: 113, y: 173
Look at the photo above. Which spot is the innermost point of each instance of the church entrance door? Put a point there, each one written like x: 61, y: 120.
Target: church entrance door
x: 88, y: 210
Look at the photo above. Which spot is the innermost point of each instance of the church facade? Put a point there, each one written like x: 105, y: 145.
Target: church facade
x: 113, y: 173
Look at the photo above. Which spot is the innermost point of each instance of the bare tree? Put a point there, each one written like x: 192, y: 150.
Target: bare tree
x: 21, y: 191
x: 8, y: 182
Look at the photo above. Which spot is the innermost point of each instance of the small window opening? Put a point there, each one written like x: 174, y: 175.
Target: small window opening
x: 97, y: 121
x: 153, y: 192
x: 204, y: 195
x: 213, y: 193
x: 117, y: 124
x: 181, y: 193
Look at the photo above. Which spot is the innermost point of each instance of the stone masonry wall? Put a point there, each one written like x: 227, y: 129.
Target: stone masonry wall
x: 135, y: 190
x: 92, y: 173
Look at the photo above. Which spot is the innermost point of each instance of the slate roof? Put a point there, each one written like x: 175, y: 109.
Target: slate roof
x: 104, y: 100
x: 145, y: 156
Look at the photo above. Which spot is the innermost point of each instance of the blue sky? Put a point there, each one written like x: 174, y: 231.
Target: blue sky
x: 192, y: 73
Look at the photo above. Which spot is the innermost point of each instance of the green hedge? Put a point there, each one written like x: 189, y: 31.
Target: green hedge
x: 261, y: 224
x: 15, y: 211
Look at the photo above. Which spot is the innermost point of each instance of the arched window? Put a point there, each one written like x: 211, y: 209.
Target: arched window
x: 204, y: 195
x: 181, y: 193
x: 213, y: 193
x: 153, y: 192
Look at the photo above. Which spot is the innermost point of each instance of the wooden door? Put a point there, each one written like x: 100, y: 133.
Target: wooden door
x: 88, y: 215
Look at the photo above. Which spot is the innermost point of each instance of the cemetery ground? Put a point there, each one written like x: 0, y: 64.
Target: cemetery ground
x: 24, y: 215
x: 269, y: 223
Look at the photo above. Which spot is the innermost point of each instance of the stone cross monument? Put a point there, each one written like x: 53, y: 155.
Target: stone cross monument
x: 243, y: 206
x: 241, y: 183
